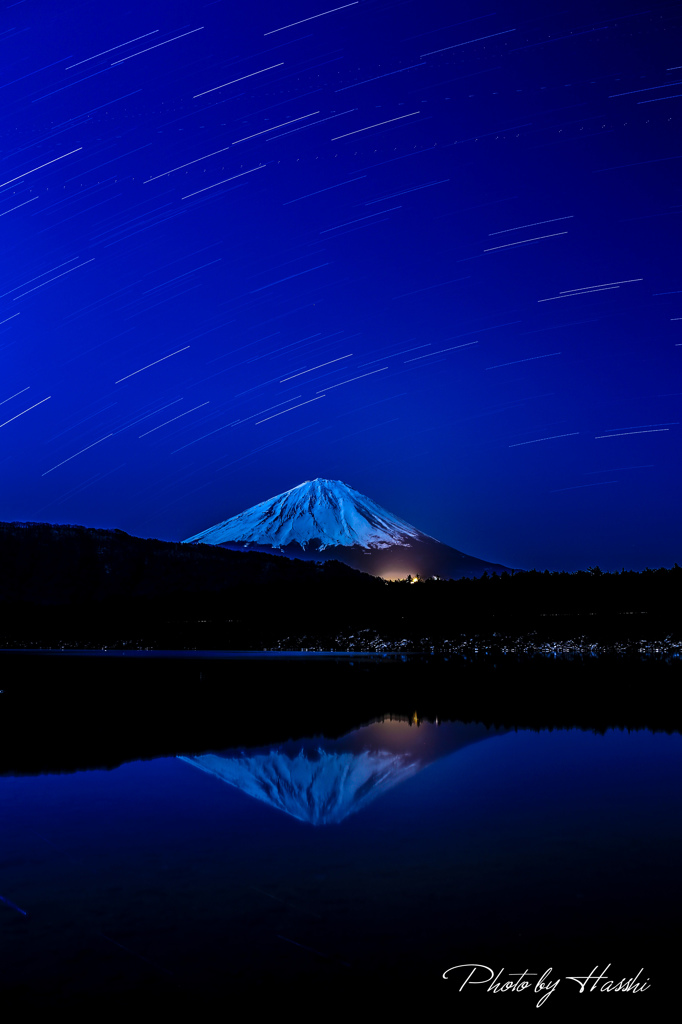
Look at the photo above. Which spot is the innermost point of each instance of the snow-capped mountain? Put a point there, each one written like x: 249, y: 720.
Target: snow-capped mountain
x: 326, y: 511
x: 324, y: 519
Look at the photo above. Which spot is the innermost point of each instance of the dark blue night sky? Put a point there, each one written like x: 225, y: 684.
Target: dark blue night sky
x: 426, y: 248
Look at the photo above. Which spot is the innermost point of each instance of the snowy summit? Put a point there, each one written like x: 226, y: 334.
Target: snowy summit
x: 326, y: 511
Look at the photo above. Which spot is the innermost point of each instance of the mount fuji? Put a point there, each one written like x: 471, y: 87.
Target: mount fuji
x: 321, y: 519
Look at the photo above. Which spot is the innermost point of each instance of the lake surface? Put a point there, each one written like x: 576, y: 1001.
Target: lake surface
x: 386, y: 856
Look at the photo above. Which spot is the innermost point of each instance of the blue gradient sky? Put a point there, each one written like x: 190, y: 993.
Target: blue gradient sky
x: 238, y: 255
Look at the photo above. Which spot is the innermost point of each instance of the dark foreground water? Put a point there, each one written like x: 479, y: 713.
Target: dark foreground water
x: 355, y: 860
x: 376, y: 861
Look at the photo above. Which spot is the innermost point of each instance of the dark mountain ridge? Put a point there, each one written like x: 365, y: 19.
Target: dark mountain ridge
x: 46, y: 564
x: 81, y: 587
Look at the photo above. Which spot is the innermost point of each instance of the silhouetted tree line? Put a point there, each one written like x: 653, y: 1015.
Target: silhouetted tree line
x: 617, y: 604
x: 69, y: 583
x: 588, y: 590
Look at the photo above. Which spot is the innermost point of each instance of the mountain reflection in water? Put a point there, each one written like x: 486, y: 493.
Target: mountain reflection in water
x: 322, y: 781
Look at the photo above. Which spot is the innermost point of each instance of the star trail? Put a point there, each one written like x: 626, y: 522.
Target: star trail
x: 143, y: 258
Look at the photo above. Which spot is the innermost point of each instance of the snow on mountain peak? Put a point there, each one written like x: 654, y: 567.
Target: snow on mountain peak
x: 325, y: 511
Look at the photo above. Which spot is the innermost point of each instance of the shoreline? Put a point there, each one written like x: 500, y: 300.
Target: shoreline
x: 313, y: 646
x: 67, y: 711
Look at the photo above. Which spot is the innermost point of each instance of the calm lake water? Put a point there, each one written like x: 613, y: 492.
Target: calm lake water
x: 388, y: 855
